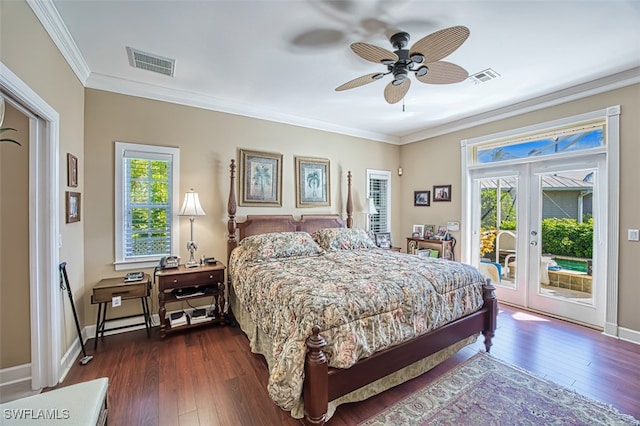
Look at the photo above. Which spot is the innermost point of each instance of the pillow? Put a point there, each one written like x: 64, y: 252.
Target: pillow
x: 334, y: 239
x: 277, y: 245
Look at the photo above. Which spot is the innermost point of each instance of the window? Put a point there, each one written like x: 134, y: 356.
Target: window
x: 146, y: 187
x: 379, y: 188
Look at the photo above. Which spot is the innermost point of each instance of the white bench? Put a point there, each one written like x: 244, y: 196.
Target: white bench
x: 82, y: 404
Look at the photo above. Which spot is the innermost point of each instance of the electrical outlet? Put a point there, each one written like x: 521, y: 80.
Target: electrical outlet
x: 633, y: 234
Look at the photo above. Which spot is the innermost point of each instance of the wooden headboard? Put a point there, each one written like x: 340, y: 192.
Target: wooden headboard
x: 261, y: 224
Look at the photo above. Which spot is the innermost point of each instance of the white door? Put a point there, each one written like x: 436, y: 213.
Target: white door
x: 538, y: 227
x: 565, y: 236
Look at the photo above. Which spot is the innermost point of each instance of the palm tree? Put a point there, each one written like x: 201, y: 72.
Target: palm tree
x: 261, y: 176
x: 313, y: 180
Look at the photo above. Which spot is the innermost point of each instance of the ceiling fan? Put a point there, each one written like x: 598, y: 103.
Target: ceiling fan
x: 423, y: 59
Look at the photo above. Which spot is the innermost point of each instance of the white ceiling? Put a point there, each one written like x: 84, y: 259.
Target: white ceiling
x: 281, y: 60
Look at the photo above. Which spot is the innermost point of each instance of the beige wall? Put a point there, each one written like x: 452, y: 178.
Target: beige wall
x: 27, y: 50
x: 208, y: 140
x: 15, y: 337
x: 436, y: 161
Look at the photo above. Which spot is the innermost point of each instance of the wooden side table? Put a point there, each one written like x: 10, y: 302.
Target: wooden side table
x: 107, y: 289
x: 445, y: 247
x: 206, y: 280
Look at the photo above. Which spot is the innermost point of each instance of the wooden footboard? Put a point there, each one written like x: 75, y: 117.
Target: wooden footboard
x: 323, y: 384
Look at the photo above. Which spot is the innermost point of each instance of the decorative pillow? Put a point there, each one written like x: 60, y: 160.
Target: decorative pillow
x: 334, y: 239
x: 277, y: 245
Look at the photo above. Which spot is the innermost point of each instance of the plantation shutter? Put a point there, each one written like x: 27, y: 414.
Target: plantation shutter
x: 147, y: 204
x: 379, y: 190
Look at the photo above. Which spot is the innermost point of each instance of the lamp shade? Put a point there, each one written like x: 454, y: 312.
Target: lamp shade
x: 369, y: 207
x: 191, y: 205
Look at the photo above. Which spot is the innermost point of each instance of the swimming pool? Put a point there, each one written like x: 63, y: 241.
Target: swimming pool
x: 572, y: 264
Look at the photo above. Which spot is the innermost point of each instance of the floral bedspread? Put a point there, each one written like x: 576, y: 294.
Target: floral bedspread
x: 364, y: 300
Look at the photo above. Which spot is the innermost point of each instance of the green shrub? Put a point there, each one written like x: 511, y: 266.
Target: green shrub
x: 567, y: 237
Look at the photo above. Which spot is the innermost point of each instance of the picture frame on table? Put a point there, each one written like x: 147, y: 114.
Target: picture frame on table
x: 313, y: 182
x: 72, y: 206
x: 72, y: 170
x: 417, y: 231
x: 441, y: 192
x: 429, y: 231
x: 422, y: 198
x: 383, y: 240
x: 441, y: 233
x: 260, y: 179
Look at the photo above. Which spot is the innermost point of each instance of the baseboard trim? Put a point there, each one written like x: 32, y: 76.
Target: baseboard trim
x: 15, y: 382
x: 629, y: 335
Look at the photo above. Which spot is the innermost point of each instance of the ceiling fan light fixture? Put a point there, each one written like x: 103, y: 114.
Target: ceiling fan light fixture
x: 422, y: 71
x: 417, y: 58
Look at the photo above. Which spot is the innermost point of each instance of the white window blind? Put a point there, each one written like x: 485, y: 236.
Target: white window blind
x: 379, y: 189
x: 146, y: 182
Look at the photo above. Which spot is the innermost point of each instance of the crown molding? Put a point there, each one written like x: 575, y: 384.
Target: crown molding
x: 150, y: 91
x: 595, y: 87
x: 52, y: 22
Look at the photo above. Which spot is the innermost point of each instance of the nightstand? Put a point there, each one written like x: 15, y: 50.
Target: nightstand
x: 183, y: 284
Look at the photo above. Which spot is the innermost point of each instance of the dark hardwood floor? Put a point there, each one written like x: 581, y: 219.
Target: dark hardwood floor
x: 209, y: 377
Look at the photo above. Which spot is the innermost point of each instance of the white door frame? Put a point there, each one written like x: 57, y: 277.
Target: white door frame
x: 612, y: 128
x: 45, y: 303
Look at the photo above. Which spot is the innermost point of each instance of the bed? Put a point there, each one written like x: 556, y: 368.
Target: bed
x: 338, y: 319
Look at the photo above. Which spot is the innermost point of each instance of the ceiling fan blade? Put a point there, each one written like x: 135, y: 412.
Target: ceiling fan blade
x: 442, y: 72
x: 440, y: 44
x: 373, y: 53
x: 360, y: 81
x: 394, y: 94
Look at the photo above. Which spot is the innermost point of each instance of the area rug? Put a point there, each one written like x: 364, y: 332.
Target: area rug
x: 486, y: 391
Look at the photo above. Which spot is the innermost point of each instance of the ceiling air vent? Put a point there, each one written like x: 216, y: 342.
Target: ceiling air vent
x: 484, y: 76
x: 151, y: 62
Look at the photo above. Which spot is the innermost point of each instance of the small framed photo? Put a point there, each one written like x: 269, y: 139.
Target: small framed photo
x: 441, y: 192
x: 72, y: 207
x: 260, y: 179
x: 421, y: 198
x: 429, y: 231
x: 313, y: 182
x: 417, y: 231
x: 72, y: 170
x: 441, y: 233
x: 383, y: 240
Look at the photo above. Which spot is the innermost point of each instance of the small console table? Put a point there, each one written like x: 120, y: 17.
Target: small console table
x: 107, y: 289
x: 445, y: 247
x: 208, y: 280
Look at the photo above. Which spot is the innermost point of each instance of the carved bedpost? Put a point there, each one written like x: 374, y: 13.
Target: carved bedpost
x: 316, y: 380
x: 349, y: 202
x: 231, y: 210
x: 491, y: 302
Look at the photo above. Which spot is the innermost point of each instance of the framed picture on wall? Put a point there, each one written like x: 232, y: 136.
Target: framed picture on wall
x: 72, y: 170
x: 313, y: 182
x: 421, y: 198
x: 260, y: 179
x: 441, y: 192
x: 72, y: 207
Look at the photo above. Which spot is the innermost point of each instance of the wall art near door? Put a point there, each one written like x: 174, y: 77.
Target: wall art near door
x: 72, y: 207
x: 72, y: 170
x: 441, y: 192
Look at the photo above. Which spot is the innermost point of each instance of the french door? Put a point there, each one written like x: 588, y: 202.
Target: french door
x: 540, y: 226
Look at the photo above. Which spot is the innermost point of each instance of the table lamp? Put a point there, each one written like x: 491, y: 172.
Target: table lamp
x: 369, y: 209
x: 191, y: 207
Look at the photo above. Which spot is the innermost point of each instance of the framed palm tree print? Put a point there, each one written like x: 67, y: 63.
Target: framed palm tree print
x: 260, y: 179
x: 313, y: 182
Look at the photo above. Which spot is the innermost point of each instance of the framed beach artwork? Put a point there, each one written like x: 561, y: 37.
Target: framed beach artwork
x: 313, y: 182
x: 260, y: 179
x: 72, y: 207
